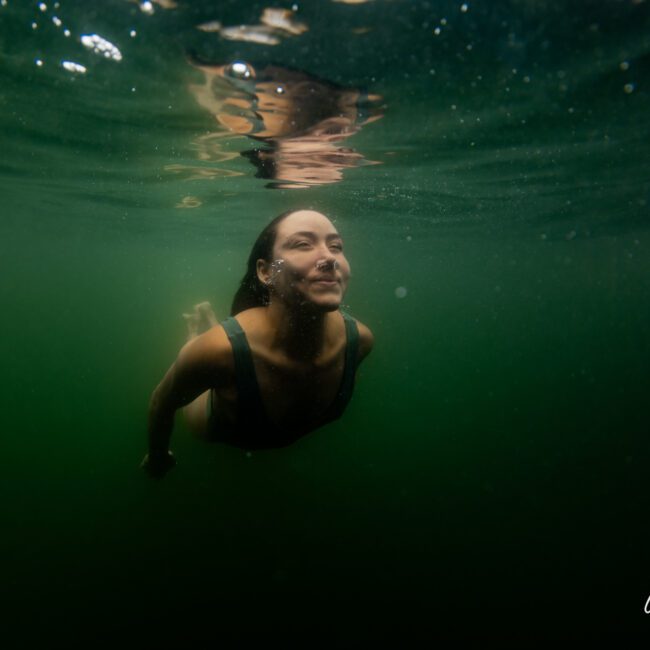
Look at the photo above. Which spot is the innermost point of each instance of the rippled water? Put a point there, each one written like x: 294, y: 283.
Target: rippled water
x: 487, y: 164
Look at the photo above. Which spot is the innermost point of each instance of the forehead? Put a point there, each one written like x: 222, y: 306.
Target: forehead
x: 306, y: 220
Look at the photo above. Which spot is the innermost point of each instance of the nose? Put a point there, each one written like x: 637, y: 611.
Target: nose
x: 327, y: 263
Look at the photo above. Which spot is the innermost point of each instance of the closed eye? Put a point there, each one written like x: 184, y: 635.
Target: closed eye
x: 301, y: 244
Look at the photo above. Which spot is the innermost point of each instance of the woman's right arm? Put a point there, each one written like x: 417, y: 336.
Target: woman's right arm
x: 198, y: 367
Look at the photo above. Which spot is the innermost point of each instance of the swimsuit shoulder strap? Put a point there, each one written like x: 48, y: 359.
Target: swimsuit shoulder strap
x: 349, y: 370
x: 249, y: 399
x: 251, y: 411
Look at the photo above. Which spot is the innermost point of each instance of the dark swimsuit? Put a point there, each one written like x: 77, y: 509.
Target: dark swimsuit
x: 254, y: 429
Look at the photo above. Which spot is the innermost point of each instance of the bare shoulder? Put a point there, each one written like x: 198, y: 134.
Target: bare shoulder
x: 210, y: 355
x: 204, y: 362
x: 366, y: 340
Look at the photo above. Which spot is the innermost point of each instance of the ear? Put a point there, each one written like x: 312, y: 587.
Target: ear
x: 263, y: 271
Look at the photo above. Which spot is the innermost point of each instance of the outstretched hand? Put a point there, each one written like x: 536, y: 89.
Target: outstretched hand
x: 158, y: 464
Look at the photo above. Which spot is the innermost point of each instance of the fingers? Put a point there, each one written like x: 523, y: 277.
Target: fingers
x: 158, y: 468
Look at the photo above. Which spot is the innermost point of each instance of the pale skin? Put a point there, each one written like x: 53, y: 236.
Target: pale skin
x: 297, y: 342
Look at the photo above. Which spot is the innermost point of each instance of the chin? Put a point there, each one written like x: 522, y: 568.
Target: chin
x: 321, y: 306
x: 331, y: 306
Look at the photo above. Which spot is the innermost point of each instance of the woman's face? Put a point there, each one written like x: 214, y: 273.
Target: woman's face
x: 308, y: 266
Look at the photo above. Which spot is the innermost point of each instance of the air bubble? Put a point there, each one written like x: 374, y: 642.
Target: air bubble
x: 101, y: 46
x: 71, y: 66
x: 240, y: 70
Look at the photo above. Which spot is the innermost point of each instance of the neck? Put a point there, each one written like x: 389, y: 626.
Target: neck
x: 300, y: 334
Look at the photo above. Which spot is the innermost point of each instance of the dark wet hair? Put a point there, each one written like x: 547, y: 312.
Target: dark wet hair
x: 252, y: 292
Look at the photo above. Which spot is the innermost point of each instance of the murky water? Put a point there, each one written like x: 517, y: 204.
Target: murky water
x: 487, y: 164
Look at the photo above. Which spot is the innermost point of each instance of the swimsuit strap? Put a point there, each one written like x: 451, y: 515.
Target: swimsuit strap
x: 250, y: 408
x: 349, y: 370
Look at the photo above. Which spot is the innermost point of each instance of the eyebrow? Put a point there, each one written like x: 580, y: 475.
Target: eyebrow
x: 311, y: 235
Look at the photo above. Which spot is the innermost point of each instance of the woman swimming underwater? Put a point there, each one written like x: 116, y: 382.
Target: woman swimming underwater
x: 283, y: 364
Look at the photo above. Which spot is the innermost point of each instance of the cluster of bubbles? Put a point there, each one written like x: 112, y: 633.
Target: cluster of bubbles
x: 464, y: 8
x: 93, y: 42
x: 101, y: 46
x: 71, y: 66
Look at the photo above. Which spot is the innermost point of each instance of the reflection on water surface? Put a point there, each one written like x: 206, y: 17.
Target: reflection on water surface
x: 298, y: 121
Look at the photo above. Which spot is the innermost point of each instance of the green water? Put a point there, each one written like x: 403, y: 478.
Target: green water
x: 489, y: 477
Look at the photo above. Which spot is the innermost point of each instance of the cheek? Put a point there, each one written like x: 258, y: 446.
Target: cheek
x: 295, y: 272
